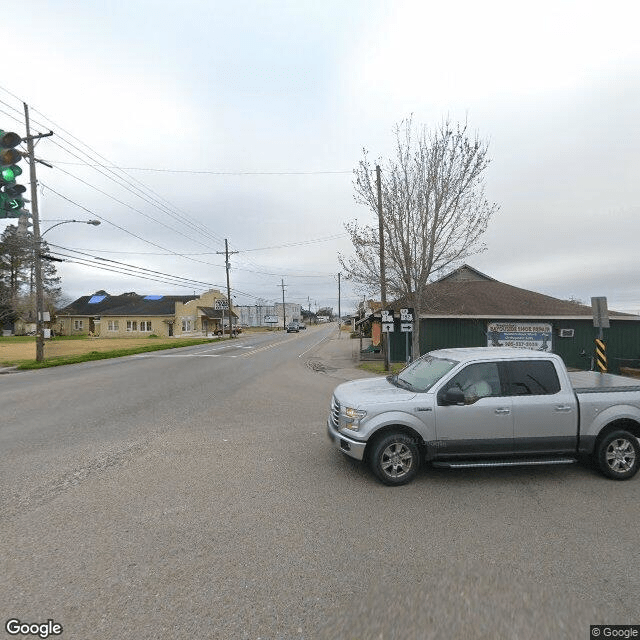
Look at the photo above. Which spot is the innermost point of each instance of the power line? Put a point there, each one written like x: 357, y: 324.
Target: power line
x: 126, y: 182
x: 217, y: 173
x: 154, y: 244
x: 297, y: 244
x: 122, y: 268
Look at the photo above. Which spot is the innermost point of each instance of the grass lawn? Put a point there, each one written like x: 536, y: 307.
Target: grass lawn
x: 20, y: 351
x: 375, y: 366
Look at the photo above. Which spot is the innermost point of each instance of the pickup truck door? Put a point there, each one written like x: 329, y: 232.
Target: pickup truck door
x: 484, y: 424
x: 545, y: 416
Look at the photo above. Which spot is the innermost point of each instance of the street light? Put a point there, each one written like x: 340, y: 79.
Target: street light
x: 95, y: 223
x: 39, y: 288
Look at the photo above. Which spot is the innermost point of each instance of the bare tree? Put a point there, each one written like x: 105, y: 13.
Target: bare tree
x: 434, y: 211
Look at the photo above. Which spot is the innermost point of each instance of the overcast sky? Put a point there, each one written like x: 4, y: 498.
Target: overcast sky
x: 268, y: 105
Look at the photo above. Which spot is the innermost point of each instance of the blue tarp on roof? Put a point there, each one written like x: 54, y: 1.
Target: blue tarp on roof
x: 96, y: 299
x: 153, y: 297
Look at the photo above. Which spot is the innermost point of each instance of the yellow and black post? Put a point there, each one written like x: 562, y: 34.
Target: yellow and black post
x: 601, y: 322
x: 601, y: 355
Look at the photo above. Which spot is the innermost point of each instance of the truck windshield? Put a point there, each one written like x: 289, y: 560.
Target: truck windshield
x: 422, y: 374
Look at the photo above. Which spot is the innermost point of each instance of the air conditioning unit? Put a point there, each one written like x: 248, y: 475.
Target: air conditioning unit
x: 566, y: 333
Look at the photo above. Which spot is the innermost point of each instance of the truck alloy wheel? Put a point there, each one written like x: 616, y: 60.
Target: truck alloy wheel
x: 395, y: 459
x: 619, y: 455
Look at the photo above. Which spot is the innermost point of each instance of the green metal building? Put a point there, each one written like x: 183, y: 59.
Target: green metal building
x: 467, y: 308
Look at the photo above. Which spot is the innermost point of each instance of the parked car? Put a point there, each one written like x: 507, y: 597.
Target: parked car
x: 292, y: 326
x: 487, y: 407
x: 301, y: 326
x: 237, y: 330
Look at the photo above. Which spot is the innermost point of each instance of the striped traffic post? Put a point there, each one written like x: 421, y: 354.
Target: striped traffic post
x: 601, y: 355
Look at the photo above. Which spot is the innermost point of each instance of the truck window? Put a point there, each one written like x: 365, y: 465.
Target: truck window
x: 532, y: 378
x: 478, y: 380
x: 423, y: 373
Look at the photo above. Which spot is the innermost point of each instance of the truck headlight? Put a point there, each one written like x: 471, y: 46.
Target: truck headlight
x: 353, y: 417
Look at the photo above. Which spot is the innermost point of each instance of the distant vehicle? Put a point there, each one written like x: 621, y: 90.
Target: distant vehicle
x: 301, y: 326
x: 292, y: 326
x: 236, y: 330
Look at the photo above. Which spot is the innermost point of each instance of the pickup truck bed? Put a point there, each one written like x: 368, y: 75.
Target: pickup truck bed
x: 593, y: 382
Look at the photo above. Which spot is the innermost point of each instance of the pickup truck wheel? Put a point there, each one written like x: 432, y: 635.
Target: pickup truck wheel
x: 619, y: 455
x: 395, y: 459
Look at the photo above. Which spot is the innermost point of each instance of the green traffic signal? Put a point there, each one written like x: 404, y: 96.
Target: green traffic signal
x: 11, y: 206
x: 10, y: 173
x: 11, y: 202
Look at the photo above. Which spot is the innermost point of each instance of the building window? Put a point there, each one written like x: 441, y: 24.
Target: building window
x: 145, y: 325
x: 77, y: 325
x: 186, y: 324
x: 132, y: 325
x: 113, y: 325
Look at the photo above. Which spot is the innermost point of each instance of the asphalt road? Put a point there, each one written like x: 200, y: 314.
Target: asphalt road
x: 196, y: 495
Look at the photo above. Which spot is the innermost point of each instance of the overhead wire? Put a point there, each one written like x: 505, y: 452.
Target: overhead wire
x: 229, y: 173
x: 130, y: 180
x: 127, y: 183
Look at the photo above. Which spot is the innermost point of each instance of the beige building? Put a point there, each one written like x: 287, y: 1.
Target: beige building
x: 133, y: 315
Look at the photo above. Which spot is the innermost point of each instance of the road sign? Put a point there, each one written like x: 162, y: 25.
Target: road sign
x: 387, y: 327
x: 600, y: 312
x: 406, y: 327
x: 406, y: 315
x: 221, y: 304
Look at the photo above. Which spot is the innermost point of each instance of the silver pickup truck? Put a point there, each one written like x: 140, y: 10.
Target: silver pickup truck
x: 487, y: 406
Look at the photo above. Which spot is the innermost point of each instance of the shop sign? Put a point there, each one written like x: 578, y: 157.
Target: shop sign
x: 523, y: 335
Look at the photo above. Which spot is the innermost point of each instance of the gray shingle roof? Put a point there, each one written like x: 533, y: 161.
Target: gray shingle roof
x: 468, y: 292
x: 126, y: 304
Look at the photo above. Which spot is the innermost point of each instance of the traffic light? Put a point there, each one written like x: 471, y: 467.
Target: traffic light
x: 23, y: 224
x: 11, y: 201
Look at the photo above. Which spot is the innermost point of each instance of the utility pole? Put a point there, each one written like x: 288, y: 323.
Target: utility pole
x: 383, y: 281
x: 228, y: 266
x: 37, y: 239
x: 284, y: 309
x: 339, y: 313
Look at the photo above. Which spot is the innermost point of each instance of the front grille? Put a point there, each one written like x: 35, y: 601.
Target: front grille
x: 335, y: 413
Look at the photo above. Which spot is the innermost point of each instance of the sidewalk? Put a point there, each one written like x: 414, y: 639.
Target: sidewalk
x: 337, y: 356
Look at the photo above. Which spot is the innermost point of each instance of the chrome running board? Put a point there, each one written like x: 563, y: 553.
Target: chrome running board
x: 502, y: 463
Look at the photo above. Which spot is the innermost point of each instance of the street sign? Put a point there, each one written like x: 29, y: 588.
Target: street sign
x: 220, y: 304
x: 600, y: 312
x: 387, y: 327
x: 406, y: 327
x: 406, y: 315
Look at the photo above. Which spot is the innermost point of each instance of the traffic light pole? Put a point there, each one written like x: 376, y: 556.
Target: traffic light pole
x: 36, y: 242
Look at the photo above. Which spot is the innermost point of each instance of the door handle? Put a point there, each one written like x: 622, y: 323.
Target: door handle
x: 563, y: 408
x: 504, y: 411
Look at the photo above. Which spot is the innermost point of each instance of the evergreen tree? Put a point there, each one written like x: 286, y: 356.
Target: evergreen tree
x: 17, y: 281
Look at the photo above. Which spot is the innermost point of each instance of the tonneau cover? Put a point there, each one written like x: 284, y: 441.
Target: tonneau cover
x: 594, y: 382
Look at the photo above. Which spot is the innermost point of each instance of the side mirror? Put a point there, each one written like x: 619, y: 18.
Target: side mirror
x: 454, y: 396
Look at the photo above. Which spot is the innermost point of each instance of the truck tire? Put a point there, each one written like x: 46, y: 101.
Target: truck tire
x: 619, y: 455
x: 395, y: 459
